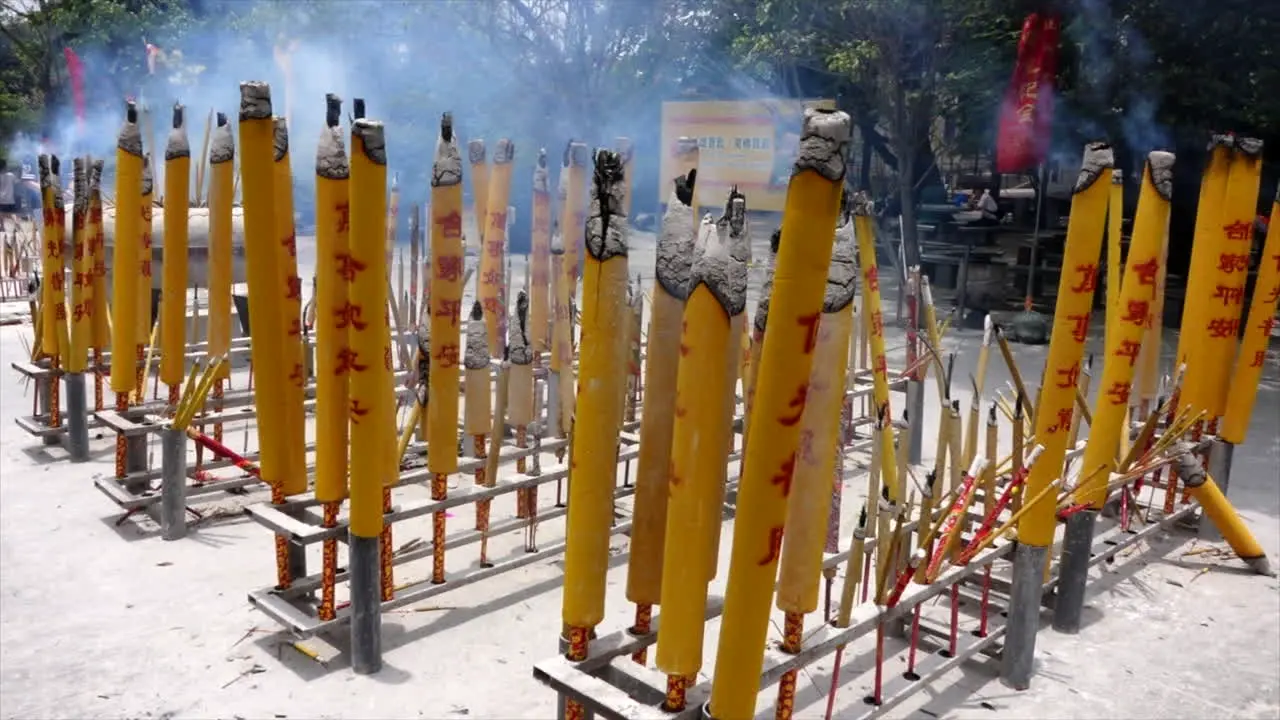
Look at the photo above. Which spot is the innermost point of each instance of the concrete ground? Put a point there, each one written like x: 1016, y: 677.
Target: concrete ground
x: 100, y: 620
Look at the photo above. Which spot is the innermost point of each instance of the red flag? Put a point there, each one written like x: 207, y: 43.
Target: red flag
x: 75, y: 71
x: 1027, y: 111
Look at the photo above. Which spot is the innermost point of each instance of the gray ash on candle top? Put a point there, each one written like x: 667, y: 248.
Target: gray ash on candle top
x: 824, y: 142
x: 475, y: 152
x: 1117, y: 177
x: 860, y: 204
x: 1249, y: 146
x: 279, y: 137
x: 518, y: 350
x: 540, y: 175
x: 222, y: 145
x: 446, y: 167
x: 674, y: 253
x: 577, y: 154
x: 372, y: 140
x: 130, y: 137
x: 504, y: 152
x: 606, y: 232
x: 842, y: 274
x: 255, y: 100
x: 79, y: 185
x: 331, y: 155
x: 476, y: 356
x: 43, y: 163
x: 1097, y: 158
x: 178, y: 145
x: 761, y: 318
x: 1160, y: 164
x: 95, y: 176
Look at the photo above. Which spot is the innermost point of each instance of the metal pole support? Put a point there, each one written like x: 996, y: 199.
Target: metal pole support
x: 366, y: 605
x: 552, y: 428
x: 1018, y: 658
x: 173, y: 484
x: 135, y: 453
x: 915, y: 410
x: 77, y: 418
x: 1220, y: 456
x: 44, y: 388
x: 1073, y: 571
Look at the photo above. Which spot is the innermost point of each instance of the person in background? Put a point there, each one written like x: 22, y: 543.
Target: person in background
x: 8, y: 196
x: 989, y: 208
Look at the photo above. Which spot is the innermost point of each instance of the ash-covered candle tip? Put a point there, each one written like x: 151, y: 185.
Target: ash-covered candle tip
x: 1160, y: 165
x: 220, y: 119
x: 1098, y: 157
x: 372, y: 140
x: 255, y: 100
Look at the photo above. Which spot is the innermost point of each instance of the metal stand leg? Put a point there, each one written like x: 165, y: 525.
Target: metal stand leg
x: 552, y: 428
x: 1018, y: 658
x: 44, y: 388
x: 366, y: 605
x: 77, y: 418
x: 1073, y: 571
x: 135, y: 457
x: 1220, y: 456
x: 915, y: 409
x: 173, y: 484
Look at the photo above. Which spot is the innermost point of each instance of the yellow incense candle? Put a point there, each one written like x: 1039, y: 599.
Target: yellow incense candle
x: 813, y: 202
x: 1257, y: 336
x: 446, y: 301
x: 266, y: 347
x: 520, y: 374
x: 146, y: 314
x: 492, y: 257
x: 699, y: 445
x: 479, y: 189
x: 289, y: 289
x: 478, y: 412
x: 222, y: 153
x: 865, y: 230
x: 81, y: 273
x: 173, y: 289
x: 573, y: 214
x: 334, y: 316
x: 128, y: 241
x: 1226, y: 302
x: 101, y: 321
x: 602, y: 365
x: 1115, y: 218
x: 372, y: 399
x: 54, y: 311
x: 1206, y: 251
x: 810, y: 501
x: 1124, y: 340
x: 657, y: 423
x: 1085, y: 229
x: 539, y: 300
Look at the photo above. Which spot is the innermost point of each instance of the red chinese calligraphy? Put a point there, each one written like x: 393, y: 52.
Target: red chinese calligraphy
x: 1087, y: 275
x: 1068, y: 377
x: 1136, y: 312
x: 1118, y: 393
x: 349, y: 267
x: 872, y: 277
x: 146, y: 268
x: 291, y: 245
x: 349, y: 316
x: 775, y: 546
x: 1276, y: 257
x: 451, y: 225
x: 1233, y: 263
x: 493, y: 248
x: 344, y: 216
x: 293, y: 288
x: 1229, y: 295
x: 498, y: 220
x: 60, y: 312
x: 449, y: 269
x: 1259, y: 357
x: 1146, y: 272
x: 446, y: 356
x: 349, y: 361
x: 877, y: 323
x: 295, y: 327
x: 491, y: 277
x: 1223, y: 328
x: 82, y: 311
x: 448, y: 308
x: 1238, y: 230
x: 58, y: 281
x: 357, y: 412
x: 1274, y: 296
x: 1080, y: 326
x: 386, y: 356
x: 1266, y: 326
x: 796, y: 405
x: 1064, y: 421
x: 296, y: 376
x: 1128, y: 349
x: 810, y: 325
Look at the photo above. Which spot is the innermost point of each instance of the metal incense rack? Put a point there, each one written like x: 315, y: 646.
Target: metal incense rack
x: 928, y: 640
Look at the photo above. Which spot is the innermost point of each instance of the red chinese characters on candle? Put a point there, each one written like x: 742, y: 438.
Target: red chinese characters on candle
x: 1136, y: 312
x: 293, y: 288
x: 296, y: 377
x: 350, y: 316
x: 60, y: 312
x: 796, y: 406
x: 1229, y: 295
x: 498, y: 220
x: 357, y: 412
x: 1146, y: 272
x: 1266, y: 326
x: 493, y: 248
x: 344, y: 216
x: 1238, y: 230
x: 1259, y: 357
x: 1118, y: 393
x: 1223, y: 327
x: 446, y: 356
x: 871, y: 276
x: 1086, y: 278
x: 810, y: 324
x: 1068, y: 377
x: 877, y: 324
x: 1063, y: 421
x: 349, y: 361
x: 82, y: 311
x: 1233, y: 262
x: 386, y: 357
x: 1079, y: 326
x: 291, y: 245
x: 450, y: 225
x: 1128, y: 349
x: 348, y: 266
x: 775, y: 547
x: 446, y: 308
x: 449, y: 268
x: 782, y: 478
x: 491, y: 277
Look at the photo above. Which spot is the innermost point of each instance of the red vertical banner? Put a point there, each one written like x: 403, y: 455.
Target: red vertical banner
x: 75, y: 71
x: 1027, y: 111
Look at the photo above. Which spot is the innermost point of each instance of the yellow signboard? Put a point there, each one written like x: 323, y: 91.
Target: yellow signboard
x: 748, y: 143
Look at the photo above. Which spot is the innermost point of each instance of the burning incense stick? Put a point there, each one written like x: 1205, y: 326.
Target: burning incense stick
x: 173, y: 298
x: 145, y: 319
x: 289, y: 288
x: 81, y: 273
x: 495, y: 237
x: 539, y: 303
x: 648, y: 530
x: 128, y: 238
x: 101, y: 317
x: 1115, y: 217
x: 221, y: 192
x: 479, y: 189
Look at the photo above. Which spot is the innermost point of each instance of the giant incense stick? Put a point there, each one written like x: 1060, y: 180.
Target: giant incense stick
x: 648, y: 529
x: 594, y: 448
x: 520, y: 380
x: 1115, y: 217
x: 539, y: 301
x: 221, y: 192
x: 1257, y: 336
x: 288, y: 289
x: 816, y: 458
x: 718, y: 291
x: 145, y: 318
x: 446, y: 305
x: 55, y: 339
x: 82, y: 277
x: 495, y: 239
x: 334, y: 320
x: 477, y: 414
x: 573, y: 215
x: 101, y: 339
x: 813, y: 202
x: 128, y: 238
x: 1226, y: 303
x: 173, y: 290
x: 372, y: 392
x: 479, y: 189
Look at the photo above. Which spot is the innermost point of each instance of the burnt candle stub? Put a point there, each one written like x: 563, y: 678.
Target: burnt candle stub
x: 842, y: 275
x: 824, y: 142
x: 1160, y: 163
x: 1097, y: 158
x: 475, y: 152
x: 606, y: 231
x: 477, y: 352
x: 178, y: 145
x: 540, y: 175
x: 331, y: 155
x: 279, y: 138
x: 504, y: 152
x: 255, y: 100
x: 373, y: 141
x: 675, y: 243
x: 95, y: 176
x: 446, y: 167
x: 147, y: 181
x: 518, y: 351
x: 79, y: 185
x: 222, y: 145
